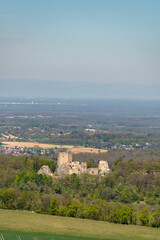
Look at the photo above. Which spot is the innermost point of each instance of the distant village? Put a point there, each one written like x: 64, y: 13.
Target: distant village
x: 17, y: 150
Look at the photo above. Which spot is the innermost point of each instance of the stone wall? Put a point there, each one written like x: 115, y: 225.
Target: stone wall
x: 45, y: 170
x: 78, y: 168
x: 64, y: 158
x: 103, y: 167
x: 92, y: 171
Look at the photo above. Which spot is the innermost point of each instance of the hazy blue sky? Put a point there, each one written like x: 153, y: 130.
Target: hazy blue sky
x: 80, y: 40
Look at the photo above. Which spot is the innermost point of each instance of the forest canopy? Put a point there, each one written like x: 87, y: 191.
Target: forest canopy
x: 129, y: 194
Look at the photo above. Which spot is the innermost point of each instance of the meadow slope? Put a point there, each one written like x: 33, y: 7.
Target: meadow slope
x: 24, y: 221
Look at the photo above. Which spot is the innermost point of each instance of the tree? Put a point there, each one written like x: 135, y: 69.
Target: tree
x: 93, y: 212
x: 125, y: 214
x: 53, y: 206
x: 144, y: 216
x: 155, y: 219
x: 127, y: 196
x: 62, y: 211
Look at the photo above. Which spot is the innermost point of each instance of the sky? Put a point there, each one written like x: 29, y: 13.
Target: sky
x: 100, y: 41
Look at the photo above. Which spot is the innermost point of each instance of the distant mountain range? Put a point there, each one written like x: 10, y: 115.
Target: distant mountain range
x: 39, y: 88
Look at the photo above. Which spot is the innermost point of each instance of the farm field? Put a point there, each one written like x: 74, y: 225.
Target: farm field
x: 48, y: 146
x: 29, y: 225
x: 87, y: 150
x: 8, y: 136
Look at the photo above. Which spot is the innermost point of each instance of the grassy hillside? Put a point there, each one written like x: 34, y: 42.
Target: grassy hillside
x: 14, y: 235
x: 21, y: 221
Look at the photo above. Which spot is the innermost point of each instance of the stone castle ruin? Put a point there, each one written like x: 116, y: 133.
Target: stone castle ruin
x: 66, y: 166
x: 45, y: 170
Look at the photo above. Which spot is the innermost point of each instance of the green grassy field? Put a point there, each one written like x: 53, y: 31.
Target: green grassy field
x: 12, y: 235
x: 29, y: 225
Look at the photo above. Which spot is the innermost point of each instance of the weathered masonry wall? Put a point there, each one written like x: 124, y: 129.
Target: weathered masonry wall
x: 64, y: 158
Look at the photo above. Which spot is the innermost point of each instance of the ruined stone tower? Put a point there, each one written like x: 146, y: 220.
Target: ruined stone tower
x: 103, y: 167
x: 64, y: 158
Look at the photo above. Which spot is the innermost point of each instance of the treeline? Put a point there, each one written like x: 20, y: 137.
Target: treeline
x: 129, y: 194
x: 99, y: 140
x: 66, y: 206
